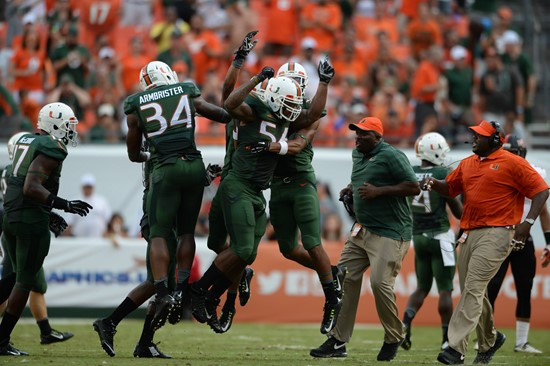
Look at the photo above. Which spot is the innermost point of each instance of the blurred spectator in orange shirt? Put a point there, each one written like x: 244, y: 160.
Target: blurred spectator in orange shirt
x: 29, y: 107
x: 282, y: 26
x: 425, y: 86
x: 349, y: 62
x: 391, y: 107
x: 423, y: 32
x: 321, y: 20
x: 27, y: 67
x: 205, y: 48
x: 410, y: 7
x: 161, y: 32
x: 368, y: 28
x: 132, y: 64
x: 30, y: 23
x: 98, y: 18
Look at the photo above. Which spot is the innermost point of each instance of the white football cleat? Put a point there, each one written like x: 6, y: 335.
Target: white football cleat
x: 526, y: 348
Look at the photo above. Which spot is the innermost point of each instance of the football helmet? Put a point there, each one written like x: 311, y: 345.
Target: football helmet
x: 259, y: 90
x: 12, y: 141
x: 284, y: 97
x: 59, y: 121
x: 156, y: 73
x: 515, y: 145
x: 432, y: 147
x: 295, y: 71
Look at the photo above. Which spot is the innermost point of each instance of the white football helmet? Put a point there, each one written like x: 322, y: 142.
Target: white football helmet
x: 432, y: 147
x: 295, y: 71
x: 259, y: 90
x: 156, y: 73
x: 12, y: 141
x: 59, y: 121
x: 284, y: 97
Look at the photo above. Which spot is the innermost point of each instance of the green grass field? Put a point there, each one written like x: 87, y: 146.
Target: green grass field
x: 246, y: 344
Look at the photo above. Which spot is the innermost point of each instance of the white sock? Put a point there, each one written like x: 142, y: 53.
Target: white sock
x: 522, y: 332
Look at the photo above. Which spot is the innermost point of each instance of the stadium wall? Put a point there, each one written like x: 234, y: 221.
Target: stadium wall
x: 89, y: 277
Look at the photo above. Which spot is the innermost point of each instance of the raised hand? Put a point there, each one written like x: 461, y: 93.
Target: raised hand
x: 266, y: 73
x: 325, y: 70
x: 244, y: 49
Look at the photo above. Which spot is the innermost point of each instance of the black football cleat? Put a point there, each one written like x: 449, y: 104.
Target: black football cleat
x: 244, y: 286
x: 177, y: 313
x: 150, y: 350
x: 487, y: 356
x: 163, y: 308
x: 339, y: 274
x: 198, y: 303
x: 10, y: 350
x: 106, y: 331
x: 55, y: 336
x: 211, y: 306
x: 451, y: 357
x: 330, y: 315
x: 226, y: 318
x: 406, y: 345
x: 331, y: 348
x: 388, y: 351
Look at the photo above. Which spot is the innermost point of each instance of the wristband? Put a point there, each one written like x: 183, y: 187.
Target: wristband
x: 284, y: 147
x: 57, y: 202
x: 255, y: 79
x: 238, y: 62
x: 547, y: 237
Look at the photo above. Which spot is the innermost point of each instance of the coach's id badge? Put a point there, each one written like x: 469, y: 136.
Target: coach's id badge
x: 463, y: 237
x: 355, y: 230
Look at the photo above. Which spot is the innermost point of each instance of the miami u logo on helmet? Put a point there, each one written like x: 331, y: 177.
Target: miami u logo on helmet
x: 58, y: 117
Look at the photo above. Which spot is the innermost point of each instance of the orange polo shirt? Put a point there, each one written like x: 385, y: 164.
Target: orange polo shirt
x: 494, y: 188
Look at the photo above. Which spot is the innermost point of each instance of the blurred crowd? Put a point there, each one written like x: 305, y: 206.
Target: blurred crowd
x: 418, y: 65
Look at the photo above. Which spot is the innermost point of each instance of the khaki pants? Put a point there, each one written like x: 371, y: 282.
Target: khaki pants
x: 384, y: 255
x: 479, y: 259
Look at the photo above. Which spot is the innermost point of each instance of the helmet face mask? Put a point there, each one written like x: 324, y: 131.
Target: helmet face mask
x: 294, y: 71
x: 432, y: 147
x: 12, y: 142
x: 156, y: 73
x: 59, y: 121
x: 284, y: 97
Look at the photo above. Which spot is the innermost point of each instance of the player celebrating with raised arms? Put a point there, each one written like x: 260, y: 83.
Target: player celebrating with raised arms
x: 33, y: 183
x: 243, y: 203
x: 164, y: 113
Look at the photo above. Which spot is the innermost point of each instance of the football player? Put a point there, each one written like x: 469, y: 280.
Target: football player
x: 522, y: 261
x: 433, y: 238
x: 37, y: 302
x: 243, y: 204
x: 33, y: 183
x: 164, y: 113
x: 294, y: 204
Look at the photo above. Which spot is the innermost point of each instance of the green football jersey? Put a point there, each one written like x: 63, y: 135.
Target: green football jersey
x: 167, y: 119
x: 258, y: 168
x: 290, y: 165
x: 27, y: 149
x: 4, y: 180
x: 429, y: 208
x: 230, y: 134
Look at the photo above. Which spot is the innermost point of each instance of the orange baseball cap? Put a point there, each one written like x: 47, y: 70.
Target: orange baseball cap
x: 368, y: 124
x: 484, y: 129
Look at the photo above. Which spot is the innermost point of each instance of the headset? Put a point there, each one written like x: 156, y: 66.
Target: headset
x: 495, y: 140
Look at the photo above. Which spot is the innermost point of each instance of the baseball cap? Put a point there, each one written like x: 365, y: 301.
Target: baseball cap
x: 88, y: 180
x: 458, y: 52
x: 309, y: 43
x: 368, y: 124
x: 484, y: 128
x: 106, y: 110
x: 29, y: 18
x: 510, y: 37
x: 358, y: 108
x: 106, y: 52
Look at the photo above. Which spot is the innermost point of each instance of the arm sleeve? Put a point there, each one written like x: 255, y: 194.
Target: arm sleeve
x: 401, y: 168
x: 527, y: 180
x: 454, y: 181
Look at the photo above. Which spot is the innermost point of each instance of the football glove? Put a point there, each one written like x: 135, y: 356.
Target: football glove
x: 212, y: 172
x: 78, y: 207
x: 325, y: 71
x: 245, y: 48
x: 258, y: 147
x: 266, y: 73
x: 57, y: 224
x: 347, y: 200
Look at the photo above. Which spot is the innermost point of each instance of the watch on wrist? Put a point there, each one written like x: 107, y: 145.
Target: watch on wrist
x: 530, y: 221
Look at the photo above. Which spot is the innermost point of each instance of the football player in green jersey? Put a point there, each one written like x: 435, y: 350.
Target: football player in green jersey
x: 433, y: 238
x: 37, y: 302
x: 33, y: 183
x: 294, y: 205
x: 164, y: 113
x: 243, y: 203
